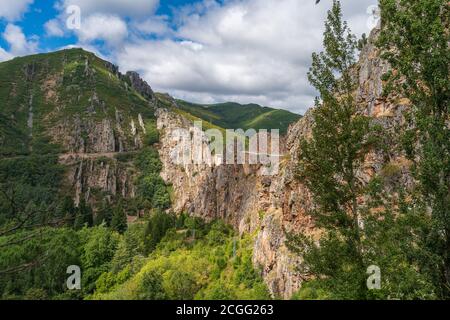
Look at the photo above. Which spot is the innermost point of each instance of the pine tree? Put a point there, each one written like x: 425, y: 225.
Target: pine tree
x: 414, y: 40
x: 84, y: 215
x: 68, y: 211
x: 119, y: 218
x: 156, y: 228
x: 104, y: 214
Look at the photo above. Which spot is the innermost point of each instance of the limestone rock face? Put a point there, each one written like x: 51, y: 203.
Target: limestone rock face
x: 90, y: 177
x: 137, y: 83
x: 90, y: 151
x: 140, y: 85
x: 104, y: 136
x: 271, y: 206
x: 245, y: 198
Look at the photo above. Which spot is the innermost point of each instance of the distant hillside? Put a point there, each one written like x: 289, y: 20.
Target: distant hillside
x: 232, y: 115
x: 72, y: 99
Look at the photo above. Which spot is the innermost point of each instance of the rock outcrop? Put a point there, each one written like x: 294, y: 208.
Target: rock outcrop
x: 97, y: 178
x: 244, y: 197
x: 140, y: 85
x: 137, y: 83
x: 271, y: 206
x: 91, y: 151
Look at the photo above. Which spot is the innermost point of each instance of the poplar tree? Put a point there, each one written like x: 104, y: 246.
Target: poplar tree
x: 329, y: 161
x: 415, y: 41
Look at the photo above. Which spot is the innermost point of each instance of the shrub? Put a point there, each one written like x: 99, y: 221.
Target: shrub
x: 157, y: 226
x: 180, y: 285
x: 151, y: 287
x: 152, y: 135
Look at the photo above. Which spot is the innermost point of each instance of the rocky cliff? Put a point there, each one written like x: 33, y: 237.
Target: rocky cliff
x: 98, y: 117
x: 270, y: 206
x: 240, y: 194
x: 72, y: 104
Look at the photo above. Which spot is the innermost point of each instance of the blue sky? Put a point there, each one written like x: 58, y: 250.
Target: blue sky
x: 32, y: 23
x: 34, y: 17
x: 204, y: 51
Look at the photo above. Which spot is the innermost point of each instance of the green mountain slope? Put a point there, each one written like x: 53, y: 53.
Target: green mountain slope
x: 76, y: 112
x: 232, y: 115
x: 42, y: 92
x: 80, y: 185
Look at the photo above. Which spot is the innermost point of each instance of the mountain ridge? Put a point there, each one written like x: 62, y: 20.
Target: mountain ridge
x: 233, y: 115
x: 240, y: 195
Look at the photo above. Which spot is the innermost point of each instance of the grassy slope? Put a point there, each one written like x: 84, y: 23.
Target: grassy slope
x: 61, y: 88
x: 234, y: 116
x: 169, y: 103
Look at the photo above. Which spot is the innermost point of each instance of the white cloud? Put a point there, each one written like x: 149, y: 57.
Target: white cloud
x: 19, y: 44
x: 129, y: 8
x: 109, y: 28
x: 155, y: 25
x: 211, y: 51
x: 13, y: 10
x: 53, y: 28
x: 85, y: 47
x: 243, y: 50
x: 276, y: 27
x: 4, y: 55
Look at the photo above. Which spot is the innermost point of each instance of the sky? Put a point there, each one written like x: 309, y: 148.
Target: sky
x: 204, y: 51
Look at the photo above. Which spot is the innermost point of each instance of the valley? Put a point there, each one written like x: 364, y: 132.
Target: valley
x: 89, y: 178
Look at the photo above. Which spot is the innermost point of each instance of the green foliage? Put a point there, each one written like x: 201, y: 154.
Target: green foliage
x: 34, y: 263
x: 104, y: 214
x: 186, y: 267
x: 29, y: 187
x: 151, y: 286
x: 148, y: 161
x: 36, y: 294
x: 157, y: 226
x: 329, y: 160
x: 354, y: 235
x: 414, y: 40
x: 131, y: 245
x: 119, y: 218
x: 213, y: 264
x: 313, y: 290
x: 152, y: 134
x: 180, y: 285
x: 151, y: 189
x: 83, y: 215
x: 218, y: 234
x: 99, y: 247
x: 236, y: 116
x: 388, y: 242
x: 236, y: 278
x: 362, y: 42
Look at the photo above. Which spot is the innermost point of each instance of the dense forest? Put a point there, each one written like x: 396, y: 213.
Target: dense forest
x: 161, y: 256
